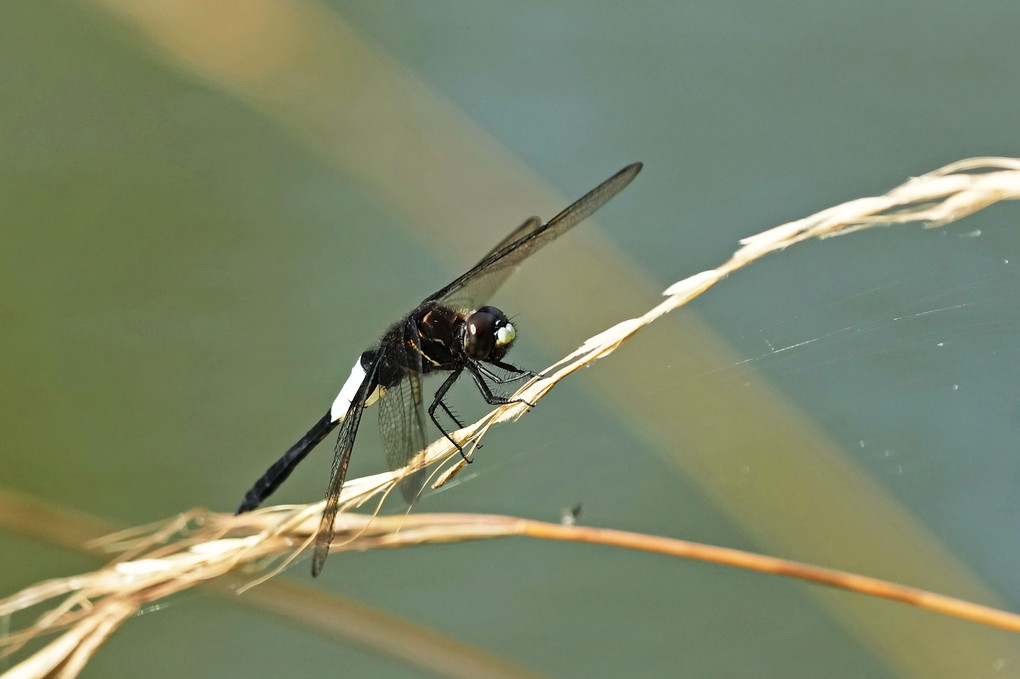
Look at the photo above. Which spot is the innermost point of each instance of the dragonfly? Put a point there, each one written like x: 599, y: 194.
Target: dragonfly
x: 452, y: 331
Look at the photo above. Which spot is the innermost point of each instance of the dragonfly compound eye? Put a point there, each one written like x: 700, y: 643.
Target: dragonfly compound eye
x: 481, y: 334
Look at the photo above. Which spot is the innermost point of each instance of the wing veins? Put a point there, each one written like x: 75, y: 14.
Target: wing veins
x: 529, y: 238
x: 341, y: 458
x: 404, y: 404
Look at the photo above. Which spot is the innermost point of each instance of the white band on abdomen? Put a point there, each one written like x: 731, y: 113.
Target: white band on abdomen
x: 347, y: 394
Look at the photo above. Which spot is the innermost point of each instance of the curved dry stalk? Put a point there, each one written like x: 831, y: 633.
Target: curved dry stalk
x: 97, y: 603
x: 101, y: 601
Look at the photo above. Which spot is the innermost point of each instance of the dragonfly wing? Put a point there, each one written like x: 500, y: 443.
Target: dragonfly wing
x: 401, y: 411
x: 342, y: 456
x: 474, y: 288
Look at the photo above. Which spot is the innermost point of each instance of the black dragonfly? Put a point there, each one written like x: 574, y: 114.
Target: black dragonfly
x: 450, y: 331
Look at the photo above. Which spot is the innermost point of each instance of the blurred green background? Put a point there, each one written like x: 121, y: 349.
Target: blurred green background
x: 210, y: 208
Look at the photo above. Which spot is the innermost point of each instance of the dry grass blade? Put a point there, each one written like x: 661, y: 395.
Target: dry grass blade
x: 104, y: 599
x: 173, y: 557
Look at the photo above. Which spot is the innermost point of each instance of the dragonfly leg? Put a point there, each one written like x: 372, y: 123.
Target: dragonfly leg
x: 510, y: 368
x: 490, y: 398
x: 438, y: 402
x: 518, y: 374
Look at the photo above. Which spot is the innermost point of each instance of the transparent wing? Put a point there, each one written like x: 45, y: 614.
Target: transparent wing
x: 474, y: 288
x: 401, y: 412
x: 473, y: 296
x: 530, y: 225
x: 344, y: 446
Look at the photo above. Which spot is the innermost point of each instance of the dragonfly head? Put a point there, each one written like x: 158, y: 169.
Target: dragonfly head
x: 488, y: 334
